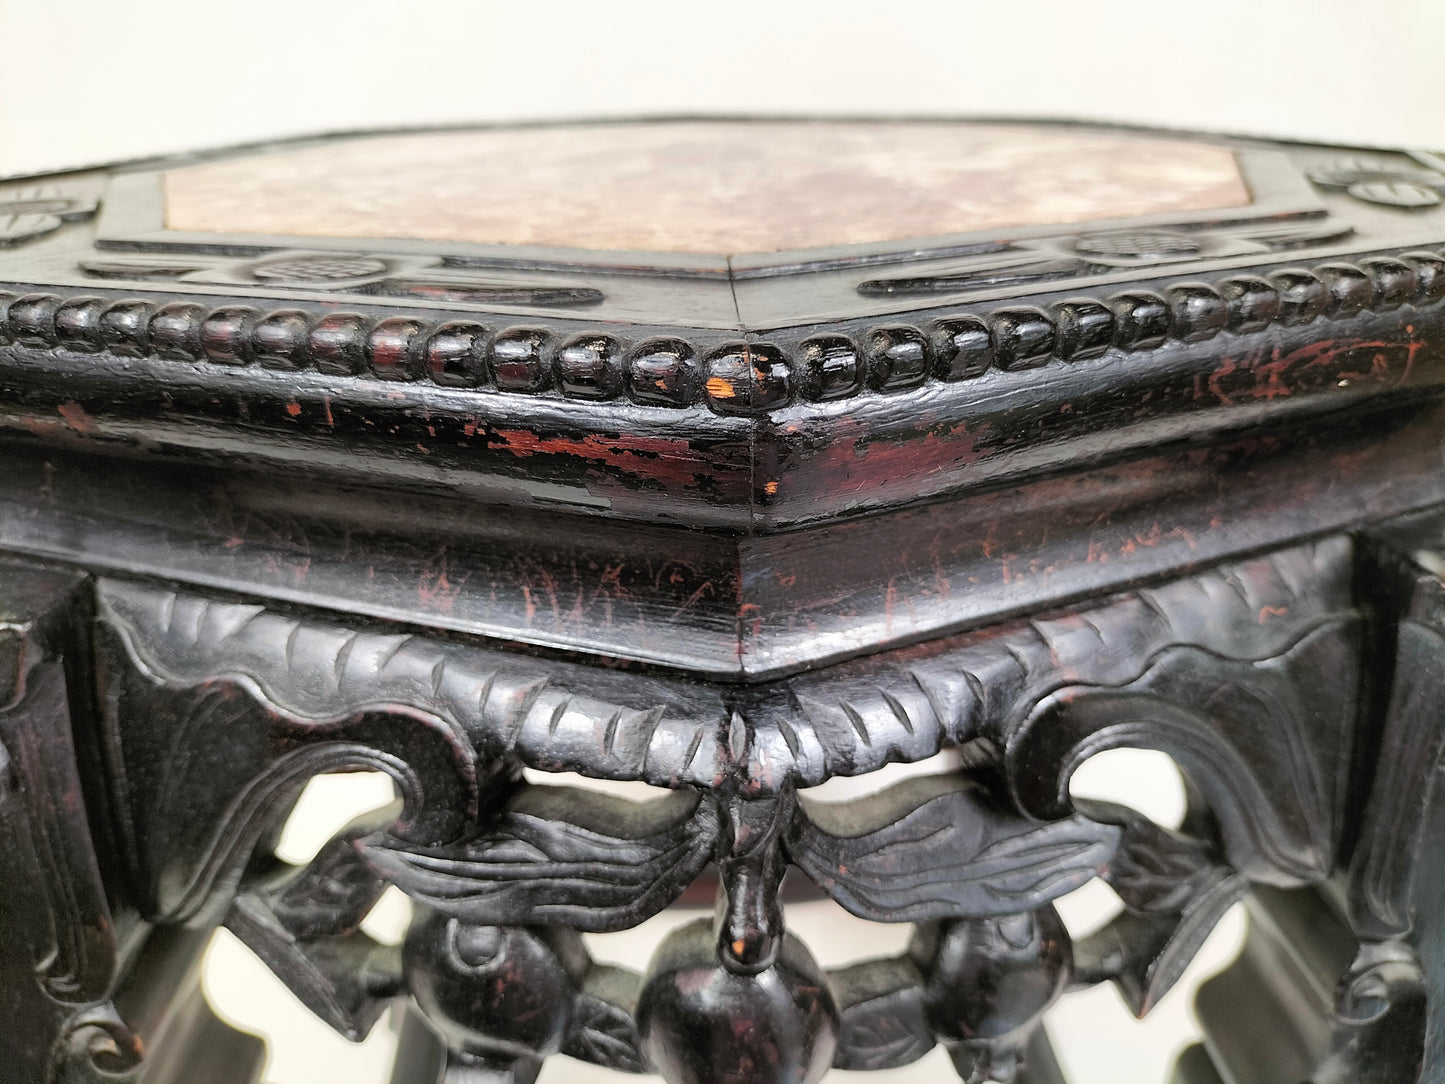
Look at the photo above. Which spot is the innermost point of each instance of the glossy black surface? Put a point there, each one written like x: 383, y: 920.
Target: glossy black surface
x: 1018, y: 500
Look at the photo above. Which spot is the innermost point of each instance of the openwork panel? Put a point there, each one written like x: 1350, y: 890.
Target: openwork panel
x: 1247, y: 676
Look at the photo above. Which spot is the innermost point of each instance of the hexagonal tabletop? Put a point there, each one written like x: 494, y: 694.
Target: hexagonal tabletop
x: 738, y: 397
x: 721, y: 188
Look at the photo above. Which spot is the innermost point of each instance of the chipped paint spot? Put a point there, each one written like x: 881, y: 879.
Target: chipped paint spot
x: 42, y: 427
x: 673, y: 461
x: 721, y: 388
x: 76, y: 417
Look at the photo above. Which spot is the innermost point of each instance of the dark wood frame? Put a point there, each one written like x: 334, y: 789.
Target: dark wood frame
x: 252, y: 532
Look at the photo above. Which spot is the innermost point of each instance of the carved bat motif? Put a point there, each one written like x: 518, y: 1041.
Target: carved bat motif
x: 943, y: 847
x: 559, y: 856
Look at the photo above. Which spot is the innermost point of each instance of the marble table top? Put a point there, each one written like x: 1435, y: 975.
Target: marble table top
x: 702, y: 187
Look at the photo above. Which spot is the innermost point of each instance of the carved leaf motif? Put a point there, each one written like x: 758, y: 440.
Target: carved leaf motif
x: 480, y: 291
x: 345, y: 979
x: 1176, y: 889
x: 940, y: 847
x: 336, y: 890
x: 559, y: 856
x: 885, y: 1040
x: 607, y: 1038
x: 34, y: 212
x: 1146, y: 953
x: 604, y: 1028
x: 1154, y: 869
x: 1287, y: 235
x: 15, y: 229
x: 1064, y: 257
x: 883, y: 1020
x: 339, y: 271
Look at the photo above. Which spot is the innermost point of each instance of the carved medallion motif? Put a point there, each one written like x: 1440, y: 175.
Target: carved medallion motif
x: 28, y: 213
x: 1389, y: 186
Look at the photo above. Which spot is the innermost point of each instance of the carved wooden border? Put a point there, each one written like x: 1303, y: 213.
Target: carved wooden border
x: 849, y: 719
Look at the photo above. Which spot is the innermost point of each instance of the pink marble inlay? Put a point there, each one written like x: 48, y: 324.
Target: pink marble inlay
x: 702, y: 187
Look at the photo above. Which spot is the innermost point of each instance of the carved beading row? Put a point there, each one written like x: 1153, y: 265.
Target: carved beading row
x: 1075, y: 329
x: 735, y: 378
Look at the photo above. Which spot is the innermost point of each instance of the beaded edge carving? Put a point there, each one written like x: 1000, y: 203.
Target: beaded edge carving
x: 735, y: 378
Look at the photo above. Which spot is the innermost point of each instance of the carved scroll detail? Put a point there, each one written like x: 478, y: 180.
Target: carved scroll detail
x: 1279, y: 805
x: 97, y: 1044
x: 58, y: 950
x: 490, y: 704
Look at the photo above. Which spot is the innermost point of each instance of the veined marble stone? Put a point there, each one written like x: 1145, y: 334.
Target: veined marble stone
x: 720, y: 187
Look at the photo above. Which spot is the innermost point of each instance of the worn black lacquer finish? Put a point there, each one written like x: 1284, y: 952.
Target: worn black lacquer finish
x: 269, y: 510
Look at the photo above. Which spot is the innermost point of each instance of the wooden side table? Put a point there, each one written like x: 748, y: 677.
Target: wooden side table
x: 728, y: 457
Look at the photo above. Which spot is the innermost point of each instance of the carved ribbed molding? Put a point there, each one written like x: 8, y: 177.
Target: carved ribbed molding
x: 845, y: 720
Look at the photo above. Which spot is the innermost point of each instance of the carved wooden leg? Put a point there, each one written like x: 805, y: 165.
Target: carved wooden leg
x: 1396, y: 881
x: 160, y: 996
x: 58, y: 958
x: 87, y: 993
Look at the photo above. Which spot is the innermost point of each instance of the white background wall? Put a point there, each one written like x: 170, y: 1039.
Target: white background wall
x: 88, y: 80
x: 100, y: 80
